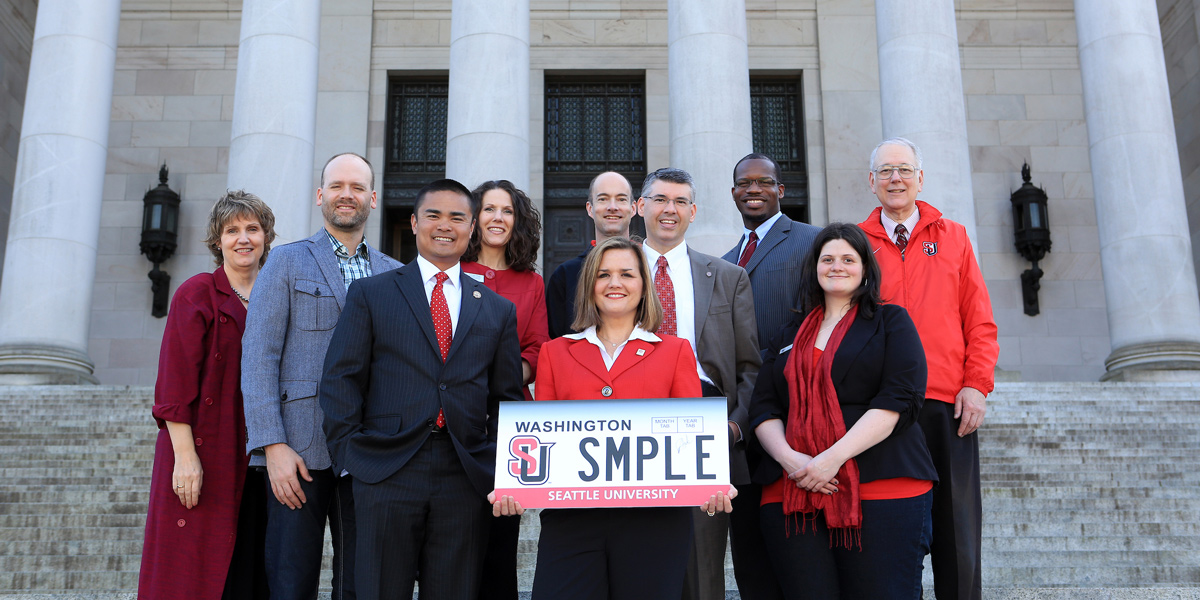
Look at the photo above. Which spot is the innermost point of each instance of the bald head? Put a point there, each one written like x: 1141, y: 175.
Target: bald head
x: 610, y: 205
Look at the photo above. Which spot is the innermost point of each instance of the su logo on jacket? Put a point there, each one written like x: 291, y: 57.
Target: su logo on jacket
x: 929, y: 248
x: 525, y: 466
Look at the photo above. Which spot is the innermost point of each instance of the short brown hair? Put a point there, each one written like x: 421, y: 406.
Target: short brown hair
x: 239, y: 204
x: 649, y: 313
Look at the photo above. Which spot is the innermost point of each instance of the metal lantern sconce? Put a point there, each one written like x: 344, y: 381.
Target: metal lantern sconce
x: 1031, y: 224
x: 160, y: 232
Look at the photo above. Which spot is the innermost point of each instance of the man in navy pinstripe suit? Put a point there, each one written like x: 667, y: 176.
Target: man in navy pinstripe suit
x: 771, y: 250
x: 418, y: 363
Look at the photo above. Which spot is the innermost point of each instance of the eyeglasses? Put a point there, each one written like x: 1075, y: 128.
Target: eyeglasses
x: 680, y: 203
x: 765, y: 182
x: 906, y: 171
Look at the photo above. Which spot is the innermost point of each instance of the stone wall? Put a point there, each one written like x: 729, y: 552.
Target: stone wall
x: 173, y: 102
x: 1180, y: 23
x: 16, y: 42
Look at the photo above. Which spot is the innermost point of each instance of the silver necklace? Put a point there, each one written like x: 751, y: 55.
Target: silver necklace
x: 239, y: 295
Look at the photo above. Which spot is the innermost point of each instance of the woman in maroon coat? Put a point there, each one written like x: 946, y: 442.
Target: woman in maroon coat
x: 203, y: 534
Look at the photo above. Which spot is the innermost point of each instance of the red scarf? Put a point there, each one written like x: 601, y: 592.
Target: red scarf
x: 815, y: 422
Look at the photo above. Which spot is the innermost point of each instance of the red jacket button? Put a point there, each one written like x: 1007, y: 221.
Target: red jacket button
x: 223, y: 319
x: 218, y: 356
x: 181, y: 522
x: 199, y: 442
x: 208, y: 401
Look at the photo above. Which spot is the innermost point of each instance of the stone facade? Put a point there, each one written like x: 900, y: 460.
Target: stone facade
x: 173, y: 101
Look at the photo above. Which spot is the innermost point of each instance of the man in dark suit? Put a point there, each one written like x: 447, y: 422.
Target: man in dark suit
x: 296, y: 302
x: 415, y: 372
x: 771, y: 250
x: 707, y: 302
x: 610, y: 204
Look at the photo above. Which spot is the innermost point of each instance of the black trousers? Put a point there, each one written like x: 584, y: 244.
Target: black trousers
x: 425, y: 519
x: 752, y: 568
x: 247, y: 578
x: 957, y: 505
x: 617, y: 553
x: 500, y: 560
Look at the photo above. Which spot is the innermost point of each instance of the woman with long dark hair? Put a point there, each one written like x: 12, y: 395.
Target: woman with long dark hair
x: 502, y: 254
x: 847, y: 477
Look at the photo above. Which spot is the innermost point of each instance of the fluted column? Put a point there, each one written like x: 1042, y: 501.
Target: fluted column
x: 709, y: 98
x: 50, y: 261
x: 1145, y: 248
x: 487, y: 121
x: 921, y: 96
x: 275, y: 108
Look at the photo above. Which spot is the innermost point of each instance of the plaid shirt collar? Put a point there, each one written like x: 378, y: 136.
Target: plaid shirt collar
x: 352, y: 267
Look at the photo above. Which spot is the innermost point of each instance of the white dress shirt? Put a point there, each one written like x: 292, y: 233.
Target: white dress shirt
x: 890, y: 226
x: 450, y: 289
x: 680, y: 270
x: 762, y: 231
x: 589, y: 334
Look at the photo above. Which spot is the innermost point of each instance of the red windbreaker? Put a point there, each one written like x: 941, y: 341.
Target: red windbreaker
x: 939, y: 282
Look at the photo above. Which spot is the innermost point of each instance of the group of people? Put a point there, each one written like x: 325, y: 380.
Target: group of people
x: 326, y: 383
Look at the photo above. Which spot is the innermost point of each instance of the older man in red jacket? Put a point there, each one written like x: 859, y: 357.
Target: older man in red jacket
x: 930, y: 269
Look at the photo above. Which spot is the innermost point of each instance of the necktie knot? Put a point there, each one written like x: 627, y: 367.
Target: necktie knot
x: 751, y: 245
x: 901, y: 237
x: 661, y: 264
x: 441, y: 277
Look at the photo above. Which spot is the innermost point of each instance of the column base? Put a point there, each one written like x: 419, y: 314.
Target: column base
x: 34, y: 364
x: 1162, y: 361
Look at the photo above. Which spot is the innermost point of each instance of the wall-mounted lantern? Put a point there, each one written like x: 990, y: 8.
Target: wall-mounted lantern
x: 160, y: 232
x: 1031, y: 224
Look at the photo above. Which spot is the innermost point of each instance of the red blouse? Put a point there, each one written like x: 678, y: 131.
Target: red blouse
x: 525, y: 290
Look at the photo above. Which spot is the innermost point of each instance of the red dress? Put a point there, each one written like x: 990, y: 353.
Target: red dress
x: 186, y: 553
x: 525, y: 290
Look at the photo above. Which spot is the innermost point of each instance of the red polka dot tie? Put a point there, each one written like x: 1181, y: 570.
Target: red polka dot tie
x: 442, y: 325
x: 666, y: 295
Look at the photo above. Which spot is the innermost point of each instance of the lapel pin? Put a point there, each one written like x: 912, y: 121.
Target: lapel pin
x: 477, y: 294
x: 641, y: 352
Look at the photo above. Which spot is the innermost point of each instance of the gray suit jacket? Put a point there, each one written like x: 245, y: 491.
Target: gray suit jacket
x: 774, y: 271
x: 727, y: 342
x: 297, y: 299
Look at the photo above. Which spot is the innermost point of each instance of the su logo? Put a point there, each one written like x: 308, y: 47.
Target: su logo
x: 530, y: 462
x: 930, y: 248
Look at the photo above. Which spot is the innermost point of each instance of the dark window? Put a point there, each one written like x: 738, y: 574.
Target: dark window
x: 415, y: 154
x: 777, y: 117
x: 593, y: 124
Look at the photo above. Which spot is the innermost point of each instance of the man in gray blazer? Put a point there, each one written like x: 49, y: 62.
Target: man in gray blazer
x: 708, y: 302
x: 771, y: 250
x: 295, y: 304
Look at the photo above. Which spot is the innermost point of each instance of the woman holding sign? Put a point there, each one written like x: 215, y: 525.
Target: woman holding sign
x: 847, y: 509
x: 604, y: 553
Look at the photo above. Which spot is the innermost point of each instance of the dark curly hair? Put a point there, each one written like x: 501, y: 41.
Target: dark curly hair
x: 522, y: 247
x: 867, y: 296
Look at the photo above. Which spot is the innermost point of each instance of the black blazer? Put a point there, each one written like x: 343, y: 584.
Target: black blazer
x: 384, y: 377
x: 879, y: 364
x: 560, y: 295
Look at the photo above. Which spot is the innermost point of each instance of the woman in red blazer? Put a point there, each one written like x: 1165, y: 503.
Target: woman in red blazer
x: 502, y: 254
x: 620, y: 552
x: 205, y: 523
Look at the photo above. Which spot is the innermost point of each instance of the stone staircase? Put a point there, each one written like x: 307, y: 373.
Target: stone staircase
x: 1090, y: 491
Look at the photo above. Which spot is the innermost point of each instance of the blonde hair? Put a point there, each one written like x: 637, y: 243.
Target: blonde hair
x: 587, y: 314
x: 239, y: 204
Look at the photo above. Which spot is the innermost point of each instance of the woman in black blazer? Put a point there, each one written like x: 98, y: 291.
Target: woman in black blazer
x: 847, y: 476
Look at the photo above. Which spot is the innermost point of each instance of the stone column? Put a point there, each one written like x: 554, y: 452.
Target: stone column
x: 274, y: 110
x: 709, y: 99
x: 1145, y: 248
x: 921, y: 96
x: 487, y: 121
x: 50, y: 261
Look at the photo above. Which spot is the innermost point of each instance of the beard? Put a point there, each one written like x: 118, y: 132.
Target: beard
x: 345, y: 222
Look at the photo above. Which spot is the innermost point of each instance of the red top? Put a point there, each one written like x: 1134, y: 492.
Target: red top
x: 880, y: 489
x: 525, y: 290
x: 186, y: 553
x: 574, y: 370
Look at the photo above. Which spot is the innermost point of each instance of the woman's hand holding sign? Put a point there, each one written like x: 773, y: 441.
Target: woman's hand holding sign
x: 504, y: 506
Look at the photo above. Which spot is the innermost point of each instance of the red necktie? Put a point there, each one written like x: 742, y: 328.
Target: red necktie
x: 901, y: 238
x: 749, y: 251
x: 666, y: 295
x: 442, y: 325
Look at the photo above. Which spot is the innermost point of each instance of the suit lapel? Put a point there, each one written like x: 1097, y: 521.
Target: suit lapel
x: 631, y: 355
x: 468, y: 309
x: 702, y: 289
x: 779, y: 231
x: 322, y: 252
x: 413, y: 289
x: 856, y: 339
x: 588, y: 355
